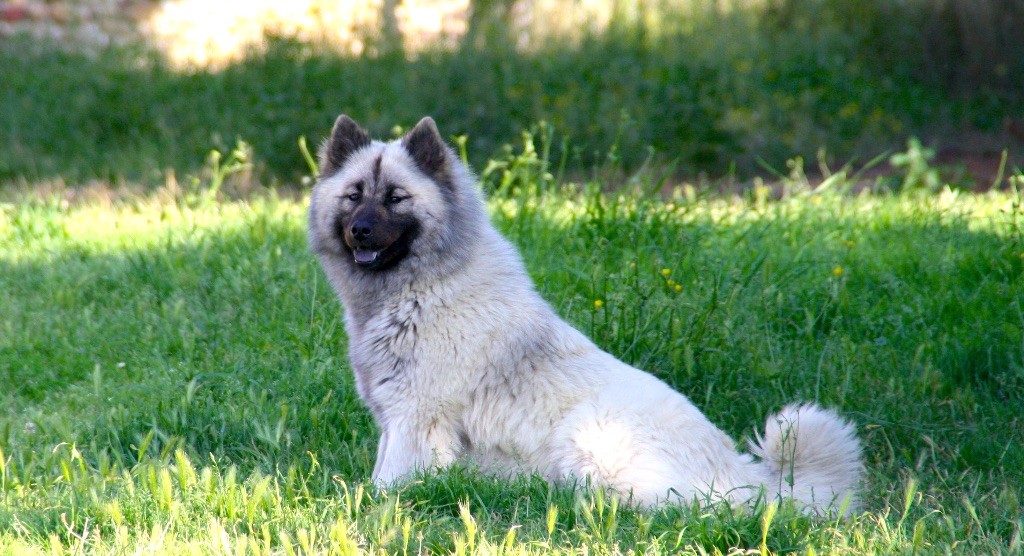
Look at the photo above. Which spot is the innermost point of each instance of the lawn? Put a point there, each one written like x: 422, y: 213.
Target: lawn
x: 173, y: 371
x: 175, y: 381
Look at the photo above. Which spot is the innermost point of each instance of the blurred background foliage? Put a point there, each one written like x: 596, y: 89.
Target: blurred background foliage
x: 715, y: 87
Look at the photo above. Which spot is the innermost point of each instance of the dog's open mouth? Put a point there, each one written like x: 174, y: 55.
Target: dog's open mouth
x: 371, y: 259
x: 378, y: 258
x: 365, y: 257
x: 383, y: 249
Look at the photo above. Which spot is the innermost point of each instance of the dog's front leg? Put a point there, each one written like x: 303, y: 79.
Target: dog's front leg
x: 404, y: 450
x: 382, y: 448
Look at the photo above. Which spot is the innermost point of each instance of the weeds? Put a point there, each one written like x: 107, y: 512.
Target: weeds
x: 915, y: 165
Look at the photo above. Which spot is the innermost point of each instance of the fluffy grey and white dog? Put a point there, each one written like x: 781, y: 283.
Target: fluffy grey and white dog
x: 460, y: 359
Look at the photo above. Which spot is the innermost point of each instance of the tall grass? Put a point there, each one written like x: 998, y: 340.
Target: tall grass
x: 716, y: 91
x: 965, y: 45
x: 175, y: 377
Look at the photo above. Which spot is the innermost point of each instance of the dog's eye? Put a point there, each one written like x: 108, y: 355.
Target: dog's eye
x: 354, y: 197
x: 395, y: 199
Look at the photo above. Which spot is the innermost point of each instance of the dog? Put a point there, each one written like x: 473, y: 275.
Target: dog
x: 461, y: 361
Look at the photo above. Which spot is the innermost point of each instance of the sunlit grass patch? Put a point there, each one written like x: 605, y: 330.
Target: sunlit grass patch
x: 176, y: 381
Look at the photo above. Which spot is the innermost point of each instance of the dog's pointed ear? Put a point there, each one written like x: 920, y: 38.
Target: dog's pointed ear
x: 427, y: 148
x: 346, y: 138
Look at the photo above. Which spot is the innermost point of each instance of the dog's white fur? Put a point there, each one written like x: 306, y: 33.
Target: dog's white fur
x: 459, y: 358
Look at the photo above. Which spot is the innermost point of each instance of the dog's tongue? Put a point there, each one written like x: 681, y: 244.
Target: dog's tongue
x: 365, y: 256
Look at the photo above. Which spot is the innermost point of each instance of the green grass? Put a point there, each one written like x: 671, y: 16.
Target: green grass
x: 174, y: 372
x: 173, y: 375
x: 715, y: 92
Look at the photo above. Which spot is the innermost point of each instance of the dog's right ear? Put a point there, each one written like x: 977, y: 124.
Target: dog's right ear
x: 426, y: 147
x: 346, y: 138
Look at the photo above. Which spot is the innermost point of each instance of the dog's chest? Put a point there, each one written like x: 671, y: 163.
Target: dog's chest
x: 382, y: 347
x: 418, y: 346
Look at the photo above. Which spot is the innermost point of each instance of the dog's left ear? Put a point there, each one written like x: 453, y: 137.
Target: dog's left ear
x: 427, y: 148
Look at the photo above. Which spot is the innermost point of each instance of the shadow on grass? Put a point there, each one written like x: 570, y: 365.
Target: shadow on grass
x: 222, y: 345
x: 229, y: 342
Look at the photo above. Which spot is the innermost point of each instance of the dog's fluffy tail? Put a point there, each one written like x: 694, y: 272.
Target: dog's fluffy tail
x: 813, y: 456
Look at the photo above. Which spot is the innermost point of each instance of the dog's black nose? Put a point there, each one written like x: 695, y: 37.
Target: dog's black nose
x: 361, y: 230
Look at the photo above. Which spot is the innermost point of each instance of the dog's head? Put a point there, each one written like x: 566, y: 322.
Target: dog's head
x: 378, y: 204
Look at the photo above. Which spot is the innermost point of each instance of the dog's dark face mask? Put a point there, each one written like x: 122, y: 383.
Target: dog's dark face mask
x: 375, y: 235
